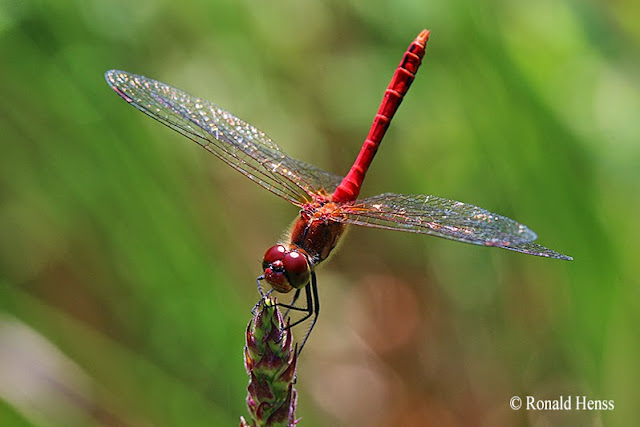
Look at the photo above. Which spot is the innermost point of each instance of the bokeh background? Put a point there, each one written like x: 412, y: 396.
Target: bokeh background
x: 128, y: 255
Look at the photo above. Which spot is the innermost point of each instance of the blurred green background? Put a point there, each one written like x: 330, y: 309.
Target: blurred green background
x: 129, y: 255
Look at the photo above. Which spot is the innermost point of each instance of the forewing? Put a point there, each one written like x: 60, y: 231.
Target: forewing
x: 234, y: 141
x: 445, y: 218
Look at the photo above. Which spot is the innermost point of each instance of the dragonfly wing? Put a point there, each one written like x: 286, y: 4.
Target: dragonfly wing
x: 532, y: 248
x: 445, y: 218
x: 234, y: 141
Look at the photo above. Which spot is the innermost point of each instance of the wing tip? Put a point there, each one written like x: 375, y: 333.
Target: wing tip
x: 114, y: 80
x: 111, y: 75
x: 536, y: 250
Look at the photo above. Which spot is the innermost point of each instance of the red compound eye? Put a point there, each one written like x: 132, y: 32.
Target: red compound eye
x: 296, y: 267
x: 273, y: 254
x: 285, y: 269
x: 273, y: 267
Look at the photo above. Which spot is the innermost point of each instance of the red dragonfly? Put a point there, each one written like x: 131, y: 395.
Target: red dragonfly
x: 327, y: 202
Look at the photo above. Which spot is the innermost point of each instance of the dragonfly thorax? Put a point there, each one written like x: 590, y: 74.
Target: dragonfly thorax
x: 286, y: 269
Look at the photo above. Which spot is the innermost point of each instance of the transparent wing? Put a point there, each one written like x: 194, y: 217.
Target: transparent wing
x: 237, y: 143
x: 445, y: 218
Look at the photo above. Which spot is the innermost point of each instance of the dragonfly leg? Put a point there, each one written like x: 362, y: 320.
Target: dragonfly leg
x: 293, y: 302
x: 263, y: 295
x: 316, y: 307
x: 307, y: 309
x: 258, y: 280
x: 312, y: 307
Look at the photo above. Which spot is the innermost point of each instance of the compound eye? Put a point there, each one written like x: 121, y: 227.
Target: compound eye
x: 273, y: 254
x: 297, y: 269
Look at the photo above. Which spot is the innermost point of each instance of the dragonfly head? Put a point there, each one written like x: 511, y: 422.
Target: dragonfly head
x: 286, y: 269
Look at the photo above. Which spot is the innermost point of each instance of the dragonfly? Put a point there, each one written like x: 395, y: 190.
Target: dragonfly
x: 327, y: 203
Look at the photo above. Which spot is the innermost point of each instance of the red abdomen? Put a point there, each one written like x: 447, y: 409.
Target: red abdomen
x: 349, y: 188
